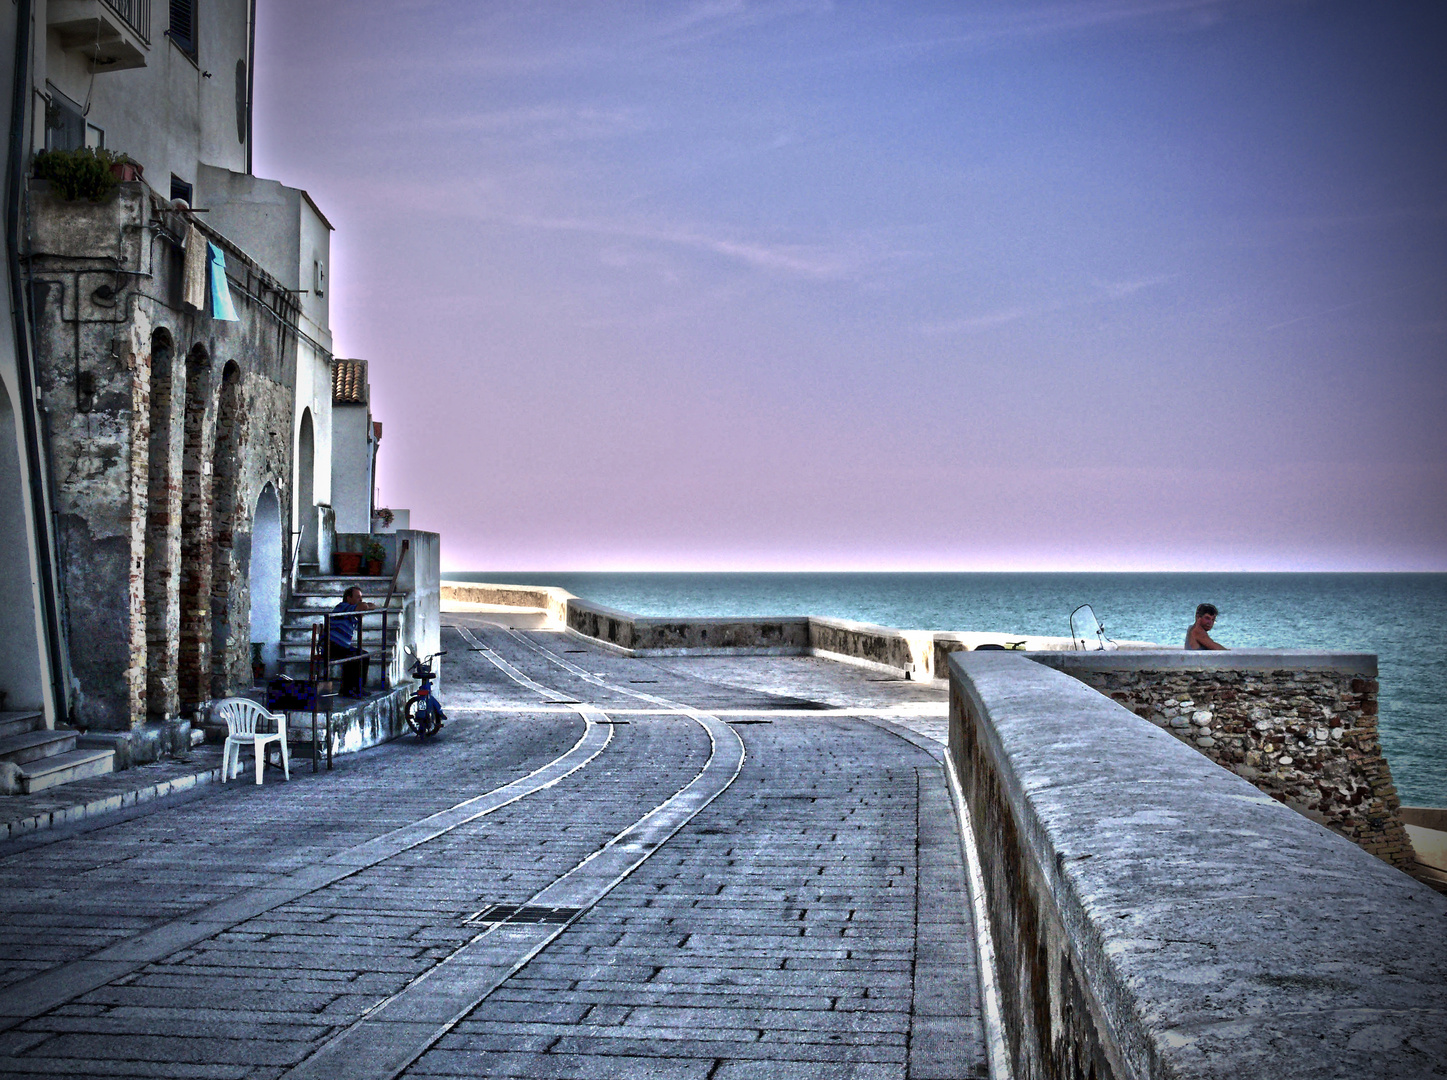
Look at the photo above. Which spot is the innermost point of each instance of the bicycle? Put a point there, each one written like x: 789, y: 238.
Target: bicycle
x: 423, y: 711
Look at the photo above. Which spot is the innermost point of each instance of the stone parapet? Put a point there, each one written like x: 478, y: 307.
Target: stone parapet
x: 1155, y: 916
x: 1301, y: 726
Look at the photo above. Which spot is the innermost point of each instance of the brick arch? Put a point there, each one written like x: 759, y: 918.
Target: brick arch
x: 194, y: 654
x: 163, y: 528
x: 227, y: 654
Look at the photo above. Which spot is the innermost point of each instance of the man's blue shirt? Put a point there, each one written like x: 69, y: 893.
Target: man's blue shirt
x: 344, y: 629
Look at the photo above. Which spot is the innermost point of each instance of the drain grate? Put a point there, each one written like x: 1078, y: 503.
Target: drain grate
x: 525, y: 913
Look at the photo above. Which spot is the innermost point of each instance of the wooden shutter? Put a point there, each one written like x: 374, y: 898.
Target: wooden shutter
x: 183, y: 24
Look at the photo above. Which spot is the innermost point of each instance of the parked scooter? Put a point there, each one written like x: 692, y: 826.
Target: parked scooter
x: 1087, y: 632
x: 423, y: 710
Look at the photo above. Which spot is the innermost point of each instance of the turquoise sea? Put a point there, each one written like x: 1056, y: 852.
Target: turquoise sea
x: 1400, y: 617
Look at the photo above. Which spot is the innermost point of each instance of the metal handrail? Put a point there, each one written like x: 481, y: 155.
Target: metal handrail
x: 321, y: 662
x: 134, y: 13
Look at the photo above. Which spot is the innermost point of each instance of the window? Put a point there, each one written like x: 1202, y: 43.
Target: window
x: 180, y: 189
x: 65, y: 126
x: 183, y: 26
x: 319, y: 277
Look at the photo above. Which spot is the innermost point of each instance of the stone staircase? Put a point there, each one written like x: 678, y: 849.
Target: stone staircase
x: 315, y: 595
x: 46, y: 758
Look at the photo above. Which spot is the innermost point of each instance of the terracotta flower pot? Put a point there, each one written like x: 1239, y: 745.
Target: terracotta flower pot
x: 126, y: 171
x: 347, y: 563
x: 374, y: 567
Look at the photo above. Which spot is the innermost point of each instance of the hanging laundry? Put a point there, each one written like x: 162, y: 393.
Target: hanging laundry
x: 193, y: 270
x: 220, y: 291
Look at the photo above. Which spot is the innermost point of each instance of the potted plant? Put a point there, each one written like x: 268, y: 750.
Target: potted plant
x: 76, y: 174
x: 385, y: 516
x: 347, y: 563
x: 126, y: 168
x: 376, y: 556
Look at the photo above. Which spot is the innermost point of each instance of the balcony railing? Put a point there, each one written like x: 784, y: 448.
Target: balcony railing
x: 134, y: 13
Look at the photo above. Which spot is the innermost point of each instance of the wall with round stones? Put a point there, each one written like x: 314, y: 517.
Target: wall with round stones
x: 1302, y: 727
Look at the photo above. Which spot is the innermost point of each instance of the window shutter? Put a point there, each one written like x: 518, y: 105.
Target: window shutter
x: 183, y: 24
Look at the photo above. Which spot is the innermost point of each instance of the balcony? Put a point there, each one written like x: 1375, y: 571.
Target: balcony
x: 111, y: 34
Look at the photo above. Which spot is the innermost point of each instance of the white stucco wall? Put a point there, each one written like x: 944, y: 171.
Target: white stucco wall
x: 352, y: 468
x: 168, y: 115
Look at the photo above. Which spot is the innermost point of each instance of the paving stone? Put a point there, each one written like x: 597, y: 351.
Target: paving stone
x: 806, y: 923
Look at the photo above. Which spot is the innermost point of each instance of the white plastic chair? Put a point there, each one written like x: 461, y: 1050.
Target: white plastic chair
x: 242, y: 715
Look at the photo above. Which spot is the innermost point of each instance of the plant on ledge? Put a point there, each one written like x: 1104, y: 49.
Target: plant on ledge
x: 376, y: 556
x: 384, y: 515
x: 78, y: 174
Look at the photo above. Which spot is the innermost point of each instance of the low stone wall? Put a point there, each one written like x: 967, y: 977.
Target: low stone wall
x: 1301, y: 726
x: 553, y: 601
x: 1155, y: 916
x: 916, y: 654
x: 904, y: 651
x: 142, y: 744
x: 355, y: 725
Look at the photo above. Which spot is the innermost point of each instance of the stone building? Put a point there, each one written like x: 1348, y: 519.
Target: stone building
x: 166, y: 393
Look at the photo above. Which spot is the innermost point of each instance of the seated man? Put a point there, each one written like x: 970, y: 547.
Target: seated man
x: 1198, y: 636
x: 341, y: 644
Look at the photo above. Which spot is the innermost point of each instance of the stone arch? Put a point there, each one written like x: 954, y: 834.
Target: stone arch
x: 20, y: 660
x: 306, y: 509
x: 264, y: 576
x: 225, y: 469
x: 194, y: 655
x: 163, y: 531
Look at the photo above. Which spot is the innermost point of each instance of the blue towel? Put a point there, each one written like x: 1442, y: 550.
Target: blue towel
x: 220, y: 291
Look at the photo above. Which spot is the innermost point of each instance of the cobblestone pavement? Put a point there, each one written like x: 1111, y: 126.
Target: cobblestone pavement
x: 725, y: 868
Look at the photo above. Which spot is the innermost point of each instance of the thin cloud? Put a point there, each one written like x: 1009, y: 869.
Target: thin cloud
x: 973, y: 323
x: 1119, y: 290
x: 797, y: 259
x: 712, y: 18
x: 540, y: 124
x: 1007, y: 22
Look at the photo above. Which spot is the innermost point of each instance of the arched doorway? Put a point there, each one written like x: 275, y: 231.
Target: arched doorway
x: 305, y: 485
x: 20, y: 663
x: 194, y: 657
x: 227, y: 660
x: 163, y: 535
x: 265, y: 576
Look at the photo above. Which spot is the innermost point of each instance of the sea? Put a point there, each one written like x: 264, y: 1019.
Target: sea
x: 1401, y: 617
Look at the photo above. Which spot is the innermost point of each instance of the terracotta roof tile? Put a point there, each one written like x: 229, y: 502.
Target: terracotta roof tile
x: 349, y: 382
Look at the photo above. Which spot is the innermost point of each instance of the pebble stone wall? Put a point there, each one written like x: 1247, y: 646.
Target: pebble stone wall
x: 1307, y: 738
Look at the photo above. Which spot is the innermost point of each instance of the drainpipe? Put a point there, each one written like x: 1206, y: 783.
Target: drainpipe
x: 250, y: 77
x: 25, y: 361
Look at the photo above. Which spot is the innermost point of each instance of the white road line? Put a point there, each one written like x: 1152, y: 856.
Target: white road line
x: 507, y: 669
x: 400, y: 1029
x: 55, y: 986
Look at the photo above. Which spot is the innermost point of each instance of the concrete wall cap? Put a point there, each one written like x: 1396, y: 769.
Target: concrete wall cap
x: 1223, y: 934
x: 1201, y: 660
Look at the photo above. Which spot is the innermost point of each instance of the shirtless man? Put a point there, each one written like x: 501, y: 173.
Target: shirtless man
x: 1199, y: 635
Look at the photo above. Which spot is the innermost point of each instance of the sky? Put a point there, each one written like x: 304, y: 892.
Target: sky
x: 810, y: 285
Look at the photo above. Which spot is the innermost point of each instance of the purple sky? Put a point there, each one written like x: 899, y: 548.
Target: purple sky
x: 1108, y: 284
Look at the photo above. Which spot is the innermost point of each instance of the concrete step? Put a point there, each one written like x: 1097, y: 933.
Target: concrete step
x: 19, y: 722
x: 303, y: 604
x: 60, y: 769
x: 338, y: 585
x: 33, y: 745
x: 300, y: 633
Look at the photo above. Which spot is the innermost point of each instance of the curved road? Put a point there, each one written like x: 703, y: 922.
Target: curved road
x: 603, y: 867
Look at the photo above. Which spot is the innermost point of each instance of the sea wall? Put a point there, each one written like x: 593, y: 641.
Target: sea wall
x: 1156, y: 916
x: 1301, y: 726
